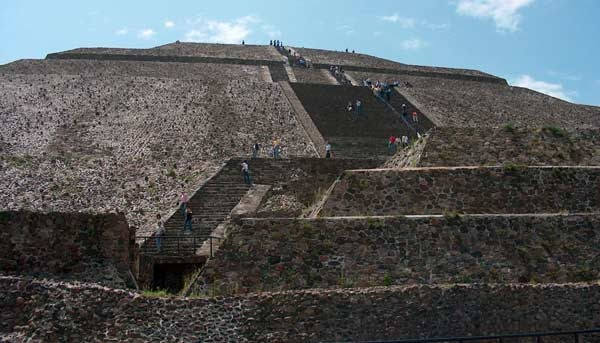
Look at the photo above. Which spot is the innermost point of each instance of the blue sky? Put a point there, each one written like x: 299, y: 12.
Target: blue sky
x: 548, y: 45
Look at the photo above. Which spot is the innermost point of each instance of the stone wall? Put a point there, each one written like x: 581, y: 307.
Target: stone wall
x: 96, y: 314
x: 200, y: 50
x: 473, y: 147
x: 312, y: 75
x: 509, y: 189
x: 99, y: 143
x: 468, y: 103
x: 207, y: 72
x: 71, y: 246
x: 326, y: 58
x: 284, y: 254
x: 52, y: 312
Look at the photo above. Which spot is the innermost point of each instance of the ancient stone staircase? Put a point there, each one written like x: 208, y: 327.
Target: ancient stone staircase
x: 424, y: 124
x: 214, y: 201
x: 351, y: 136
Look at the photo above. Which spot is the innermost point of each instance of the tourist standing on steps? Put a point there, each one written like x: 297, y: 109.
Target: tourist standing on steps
x: 404, y: 110
x: 415, y: 117
x: 183, y: 202
x: 160, y: 232
x: 358, y: 107
x: 392, y: 145
x: 255, y: 150
x: 327, y: 150
x: 187, y: 225
x: 246, y: 172
x: 276, y: 148
x: 404, y: 141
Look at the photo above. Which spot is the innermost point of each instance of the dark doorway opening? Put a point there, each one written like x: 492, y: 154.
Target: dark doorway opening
x: 171, y: 276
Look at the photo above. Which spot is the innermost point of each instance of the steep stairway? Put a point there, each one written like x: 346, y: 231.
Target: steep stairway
x: 212, y: 203
x: 351, y: 136
x: 215, y: 200
x: 423, y: 124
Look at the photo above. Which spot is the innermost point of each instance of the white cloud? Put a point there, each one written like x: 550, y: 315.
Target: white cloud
x: 271, y: 31
x: 407, y: 23
x: 505, y: 13
x: 413, y: 44
x: 122, y: 31
x: 553, y: 89
x: 169, y: 24
x: 215, y: 31
x: 146, y: 34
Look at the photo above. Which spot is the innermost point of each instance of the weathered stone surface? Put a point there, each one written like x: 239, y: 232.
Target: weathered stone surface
x: 237, y: 51
x: 524, y: 146
x: 464, y: 103
x: 69, y: 246
x: 508, y: 189
x: 319, y: 56
x: 52, y: 312
x: 48, y: 311
x: 207, y: 72
x: 73, y: 143
x: 286, y: 254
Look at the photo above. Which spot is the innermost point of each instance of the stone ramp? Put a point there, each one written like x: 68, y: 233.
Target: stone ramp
x: 472, y: 190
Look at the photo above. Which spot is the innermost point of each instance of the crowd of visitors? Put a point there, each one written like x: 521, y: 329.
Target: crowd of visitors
x: 394, y: 141
x: 382, y: 90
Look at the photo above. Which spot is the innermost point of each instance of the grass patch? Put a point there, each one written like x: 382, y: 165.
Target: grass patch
x: 556, y: 131
x: 509, y: 128
x: 18, y: 161
x: 171, y: 173
x: 158, y: 293
x: 513, y: 167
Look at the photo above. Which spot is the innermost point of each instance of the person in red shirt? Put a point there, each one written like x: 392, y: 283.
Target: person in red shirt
x: 392, y: 145
x: 415, y: 117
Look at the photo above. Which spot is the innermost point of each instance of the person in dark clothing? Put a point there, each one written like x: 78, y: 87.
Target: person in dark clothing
x: 271, y: 42
x: 187, y: 225
x: 255, y: 150
x: 159, y: 235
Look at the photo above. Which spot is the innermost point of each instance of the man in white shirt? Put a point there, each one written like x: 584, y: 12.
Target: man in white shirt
x: 246, y: 172
x: 327, y: 150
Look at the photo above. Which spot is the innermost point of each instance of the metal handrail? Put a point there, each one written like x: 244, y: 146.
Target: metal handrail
x: 577, y: 335
x: 186, y: 245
